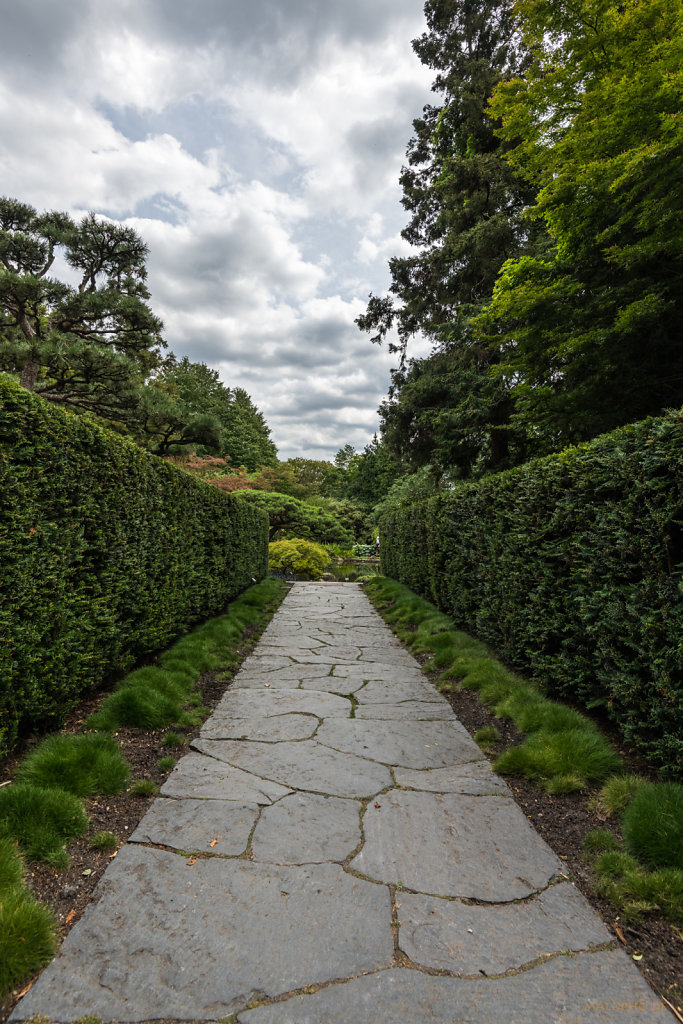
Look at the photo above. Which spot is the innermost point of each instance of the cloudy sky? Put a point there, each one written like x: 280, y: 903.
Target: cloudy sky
x: 256, y: 146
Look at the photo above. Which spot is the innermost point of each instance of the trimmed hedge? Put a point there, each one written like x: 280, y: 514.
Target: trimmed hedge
x: 107, y: 553
x: 571, y: 568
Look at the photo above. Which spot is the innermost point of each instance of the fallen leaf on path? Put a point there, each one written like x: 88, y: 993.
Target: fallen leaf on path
x: 213, y: 842
x: 377, y: 804
x: 620, y: 934
x: 70, y: 916
x: 191, y: 861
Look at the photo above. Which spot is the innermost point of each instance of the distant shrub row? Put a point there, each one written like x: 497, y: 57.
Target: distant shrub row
x: 570, y: 567
x: 106, y: 552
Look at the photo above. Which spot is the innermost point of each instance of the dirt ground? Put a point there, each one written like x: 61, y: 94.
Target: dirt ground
x: 562, y: 820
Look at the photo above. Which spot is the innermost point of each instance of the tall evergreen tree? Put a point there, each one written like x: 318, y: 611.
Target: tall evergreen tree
x: 87, y: 345
x: 589, y: 332
x: 466, y: 218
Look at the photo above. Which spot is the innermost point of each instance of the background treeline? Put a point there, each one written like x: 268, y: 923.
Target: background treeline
x: 107, y: 553
x: 544, y: 198
x: 571, y: 567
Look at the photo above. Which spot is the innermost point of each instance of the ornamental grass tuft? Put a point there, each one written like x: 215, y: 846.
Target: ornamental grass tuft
x: 82, y: 765
x: 652, y: 825
x: 42, y: 821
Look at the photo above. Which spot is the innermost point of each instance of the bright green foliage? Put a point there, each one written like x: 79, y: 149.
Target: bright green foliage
x: 636, y: 891
x: 290, y: 517
x: 28, y: 938
x: 82, y: 765
x: 564, y: 751
x: 570, y: 566
x: 653, y: 825
x: 165, y: 764
x: 299, y: 557
x: 41, y: 820
x: 589, y: 332
x: 618, y: 792
x: 107, y: 553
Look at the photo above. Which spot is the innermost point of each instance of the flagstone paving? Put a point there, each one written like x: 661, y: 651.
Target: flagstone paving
x: 336, y: 850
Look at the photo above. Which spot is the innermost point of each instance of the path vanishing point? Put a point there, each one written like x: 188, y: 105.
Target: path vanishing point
x: 336, y: 850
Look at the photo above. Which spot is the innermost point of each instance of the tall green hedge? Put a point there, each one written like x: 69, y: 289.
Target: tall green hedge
x: 106, y: 553
x: 571, y: 568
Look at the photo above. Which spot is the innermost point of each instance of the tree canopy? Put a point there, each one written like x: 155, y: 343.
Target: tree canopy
x: 87, y: 345
x: 589, y: 331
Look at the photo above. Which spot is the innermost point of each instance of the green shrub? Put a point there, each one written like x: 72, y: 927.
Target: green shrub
x: 81, y: 765
x: 564, y: 761
x: 143, y: 787
x: 653, y: 825
x: 298, y: 557
x: 42, y: 821
x: 28, y: 938
x: 165, y: 764
x: 570, y: 567
x: 107, y: 552
x: 103, y: 841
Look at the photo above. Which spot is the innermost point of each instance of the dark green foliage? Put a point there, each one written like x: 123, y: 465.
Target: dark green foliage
x: 82, y: 765
x: 41, y: 820
x: 28, y: 939
x: 570, y: 567
x: 107, y: 553
x: 653, y: 825
x: 290, y: 517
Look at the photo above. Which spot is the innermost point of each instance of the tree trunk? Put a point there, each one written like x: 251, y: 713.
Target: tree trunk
x: 29, y: 375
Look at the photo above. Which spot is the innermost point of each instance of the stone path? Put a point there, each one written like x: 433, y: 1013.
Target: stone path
x: 335, y: 850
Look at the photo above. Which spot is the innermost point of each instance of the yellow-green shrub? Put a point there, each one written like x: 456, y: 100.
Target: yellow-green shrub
x: 298, y: 557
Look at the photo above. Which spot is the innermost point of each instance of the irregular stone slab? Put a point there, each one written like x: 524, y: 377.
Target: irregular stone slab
x: 266, y: 730
x: 331, y: 655
x: 196, y: 824
x: 466, y: 939
x: 412, y: 710
x: 569, y: 990
x: 307, y: 765
x: 410, y: 744
x: 332, y: 684
x: 285, y: 677
x: 208, y: 779
x: 481, y: 847
x: 306, y: 828
x: 169, y: 940
x: 253, y: 703
x: 476, y: 778
x: 261, y: 663
x: 380, y: 691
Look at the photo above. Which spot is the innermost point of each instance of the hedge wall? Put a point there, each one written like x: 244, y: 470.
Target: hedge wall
x: 106, y: 553
x: 570, y: 567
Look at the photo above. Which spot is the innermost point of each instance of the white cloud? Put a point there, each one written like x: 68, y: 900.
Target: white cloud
x: 256, y: 148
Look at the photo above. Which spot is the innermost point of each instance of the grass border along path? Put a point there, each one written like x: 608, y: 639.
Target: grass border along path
x: 562, y: 752
x: 43, y: 809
